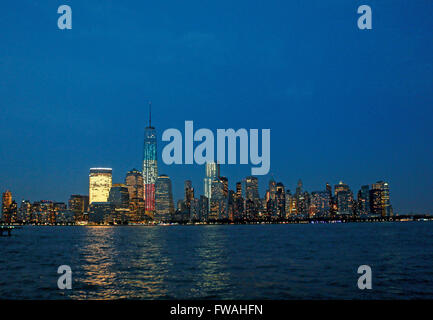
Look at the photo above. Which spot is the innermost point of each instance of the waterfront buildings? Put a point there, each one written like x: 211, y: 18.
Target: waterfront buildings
x: 240, y: 205
x: 101, y: 212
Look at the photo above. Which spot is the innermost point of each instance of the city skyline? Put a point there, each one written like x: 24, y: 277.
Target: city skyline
x: 243, y: 205
x: 101, y: 181
x: 354, y: 107
x: 101, y: 184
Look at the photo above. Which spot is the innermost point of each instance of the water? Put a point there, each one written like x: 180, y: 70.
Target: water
x: 220, y: 261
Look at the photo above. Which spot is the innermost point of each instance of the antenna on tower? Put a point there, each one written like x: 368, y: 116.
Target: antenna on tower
x: 150, y: 113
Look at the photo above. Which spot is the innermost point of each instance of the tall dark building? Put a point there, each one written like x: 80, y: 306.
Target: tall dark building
x: 189, y: 194
x: 119, y: 196
x: 164, y: 199
x: 252, y: 189
x: 299, y: 188
x: 238, y: 210
x: 364, y: 200
x: 101, y: 212
x: 225, y: 183
x: 379, y: 199
x: 270, y: 203
x: 343, y: 198
x: 302, y: 199
x: 218, y: 204
x: 203, y: 208
x: 280, y: 199
x: 24, y: 213
x: 252, y: 198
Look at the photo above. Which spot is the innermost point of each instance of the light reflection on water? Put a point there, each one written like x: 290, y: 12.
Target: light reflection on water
x: 219, y: 262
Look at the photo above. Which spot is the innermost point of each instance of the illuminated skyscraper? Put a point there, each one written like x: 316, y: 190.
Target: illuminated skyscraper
x: 218, y: 204
x: 164, y: 207
x: 343, y: 198
x: 150, y: 166
x: 212, y: 172
x: 252, y: 199
x: 379, y: 199
x: 225, y: 183
x: 252, y: 189
x: 238, y: 202
x: 189, y: 194
x: 100, y: 180
x: 6, y: 206
x: 24, y: 213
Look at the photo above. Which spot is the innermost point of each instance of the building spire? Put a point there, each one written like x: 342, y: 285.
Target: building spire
x: 150, y: 113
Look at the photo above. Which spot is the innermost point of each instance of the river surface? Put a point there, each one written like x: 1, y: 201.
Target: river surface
x: 308, y: 261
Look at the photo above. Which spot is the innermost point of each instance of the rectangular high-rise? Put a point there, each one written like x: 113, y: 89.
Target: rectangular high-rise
x: 100, y: 180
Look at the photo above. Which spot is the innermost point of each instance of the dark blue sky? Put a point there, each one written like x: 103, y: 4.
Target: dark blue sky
x: 341, y: 103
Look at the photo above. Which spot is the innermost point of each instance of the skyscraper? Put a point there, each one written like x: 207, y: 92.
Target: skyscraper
x: 189, y: 194
x: 364, y: 200
x: 225, y: 183
x: 252, y: 198
x: 100, y: 180
x: 78, y: 204
x: 164, y: 207
x: 6, y: 206
x: 218, y: 204
x: 212, y: 172
x: 252, y: 189
x: 302, y: 199
x: 238, y: 202
x: 150, y: 166
x: 343, y: 198
x: 379, y: 199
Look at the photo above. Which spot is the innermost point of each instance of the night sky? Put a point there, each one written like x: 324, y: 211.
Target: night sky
x: 341, y: 103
